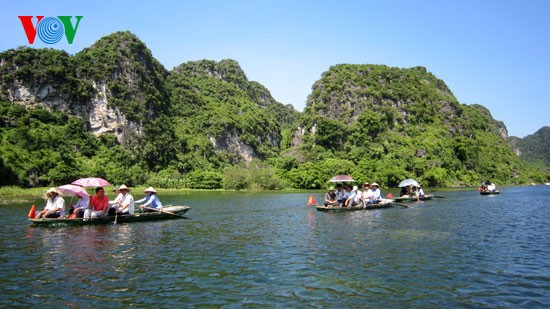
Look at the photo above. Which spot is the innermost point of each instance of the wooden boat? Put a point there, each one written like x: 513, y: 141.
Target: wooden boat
x: 170, y: 212
x: 384, y: 203
x: 489, y: 192
x: 426, y: 197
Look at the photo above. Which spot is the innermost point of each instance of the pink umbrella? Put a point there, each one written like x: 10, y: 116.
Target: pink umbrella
x: 73, y: 190
x: 91, y: 182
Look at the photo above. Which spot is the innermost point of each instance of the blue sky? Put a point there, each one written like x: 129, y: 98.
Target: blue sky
x: 494, y: 53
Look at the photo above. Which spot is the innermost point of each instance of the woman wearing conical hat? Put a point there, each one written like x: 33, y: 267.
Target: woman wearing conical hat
x: 151, y: 200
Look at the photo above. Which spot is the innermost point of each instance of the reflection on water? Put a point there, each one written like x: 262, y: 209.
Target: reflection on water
x: 269, y: 250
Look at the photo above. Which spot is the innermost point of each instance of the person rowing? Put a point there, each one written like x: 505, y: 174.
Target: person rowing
x: 151, y: 200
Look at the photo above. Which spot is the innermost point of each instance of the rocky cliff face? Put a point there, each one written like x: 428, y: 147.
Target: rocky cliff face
x: 119, y: 88
x: 101, y: 84
x: 237, y: 116
x: 401, y: 97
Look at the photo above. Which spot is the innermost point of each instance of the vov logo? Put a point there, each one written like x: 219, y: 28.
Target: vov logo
x: 50, y: 30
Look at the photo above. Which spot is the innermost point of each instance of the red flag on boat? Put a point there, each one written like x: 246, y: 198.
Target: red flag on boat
x: 389, y: 195
x: 311, y: 201
x: 32, y: 212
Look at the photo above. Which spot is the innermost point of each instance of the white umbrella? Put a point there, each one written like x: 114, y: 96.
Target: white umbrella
x: 408, y: 182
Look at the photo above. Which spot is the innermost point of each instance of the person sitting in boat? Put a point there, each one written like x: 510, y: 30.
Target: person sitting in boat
x: 353, y: 199
x: 126, y: 202
x: 99, y: 205
x: 413, y: 192
x: 367, y: 194
x: 341, y: 195
x: 151, y: 200
x: 419, y: 192
x: 376, y: 194
x: 405, y: 192
x: 113, y: 205
x: 55, y: 205
x: 80, y: 207
x: 330, y: 198
x: 483, y: 187
x: 492, y: 187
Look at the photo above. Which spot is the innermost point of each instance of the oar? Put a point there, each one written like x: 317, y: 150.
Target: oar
x: 439, y: 196
x: 166, y: 212
x: 404, y: 206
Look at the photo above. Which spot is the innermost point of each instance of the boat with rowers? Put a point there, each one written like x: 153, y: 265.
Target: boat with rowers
x: 489, y: 192
x: 167, y: 213
x: 425, y: 197
x: 384, y: 203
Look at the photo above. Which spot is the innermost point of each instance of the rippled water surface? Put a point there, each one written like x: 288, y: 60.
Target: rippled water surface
x: 271, y: 250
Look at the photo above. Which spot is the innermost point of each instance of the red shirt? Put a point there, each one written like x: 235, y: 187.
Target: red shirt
x: 99, y: 203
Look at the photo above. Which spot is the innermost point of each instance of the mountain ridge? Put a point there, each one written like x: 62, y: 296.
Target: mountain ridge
x: 204, y: 124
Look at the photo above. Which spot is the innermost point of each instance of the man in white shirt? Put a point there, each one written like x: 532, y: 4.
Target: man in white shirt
x: 126, y: 203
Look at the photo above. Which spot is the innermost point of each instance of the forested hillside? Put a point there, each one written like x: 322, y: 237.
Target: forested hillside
x: 386, y: 124
x: 534, y: 148
x: 113, y: 111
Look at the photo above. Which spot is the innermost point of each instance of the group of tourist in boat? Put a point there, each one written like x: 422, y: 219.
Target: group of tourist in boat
x: 350, y: 196
x: 487, y: 186
x: 413, y: 191
x: 98, y: 205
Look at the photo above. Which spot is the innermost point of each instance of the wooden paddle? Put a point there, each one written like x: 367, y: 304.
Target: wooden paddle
x: 166, y: 212
x: 404, y: 206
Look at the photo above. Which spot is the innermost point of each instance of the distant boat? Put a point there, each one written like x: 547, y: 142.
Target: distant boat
x: 489, y: 192
x: 547, y: 183
x: 425, y: 197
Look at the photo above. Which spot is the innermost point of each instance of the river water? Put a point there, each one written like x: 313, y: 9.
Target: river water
x: 271, y: 250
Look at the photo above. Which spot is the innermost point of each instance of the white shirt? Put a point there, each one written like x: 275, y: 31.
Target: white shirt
x: 83, y: 202
x: 57, y: 203
x: 367, y: 194
x: 115, y: 202
x: 341, y: 194
x: 376, y: 194
x: 128, y: 199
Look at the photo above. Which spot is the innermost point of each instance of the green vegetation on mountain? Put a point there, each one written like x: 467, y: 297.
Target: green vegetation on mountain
x: 113, y: 111
x: 386, y: 124
x: 535, y: 149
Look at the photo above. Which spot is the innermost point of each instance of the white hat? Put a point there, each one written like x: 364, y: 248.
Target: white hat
x: 123, y: 187
x: 355, y: 188
x: 150, y: 189
x: 53, y: 190
x: 374, y: 184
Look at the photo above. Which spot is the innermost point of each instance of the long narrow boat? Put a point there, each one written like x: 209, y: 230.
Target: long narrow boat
x: 489, y: 192
x: 167, y: 213
x: 426, y: 197
x: 384, y: 203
